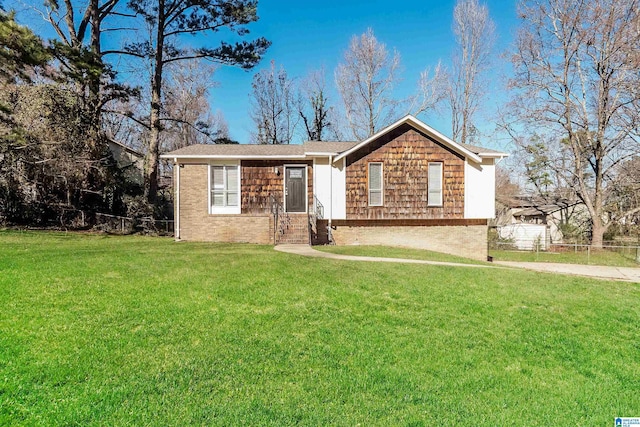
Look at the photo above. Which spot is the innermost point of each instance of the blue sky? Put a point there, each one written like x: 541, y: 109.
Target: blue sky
x: 309, y: 35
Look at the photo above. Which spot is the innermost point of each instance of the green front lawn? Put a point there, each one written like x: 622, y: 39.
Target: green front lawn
x: 98, y: 330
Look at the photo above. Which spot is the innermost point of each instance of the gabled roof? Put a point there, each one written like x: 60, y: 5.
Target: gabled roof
x: 114, y: 143
x: 468, y: 151
x: 543, y: 209
x: 337, y: 149
x: 484, y: 152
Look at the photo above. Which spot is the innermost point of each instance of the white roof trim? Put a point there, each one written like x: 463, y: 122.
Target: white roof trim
x: 421, y: 126
x: 229, y: 156
x: 493, y: 155
x: 321, y: 153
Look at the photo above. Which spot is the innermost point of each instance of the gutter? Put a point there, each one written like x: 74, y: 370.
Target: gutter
x: 176, y: 222
x: 229, y: 156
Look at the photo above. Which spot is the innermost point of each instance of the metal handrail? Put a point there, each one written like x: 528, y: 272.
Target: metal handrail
x: 281, y: 219
x: 319, y: 208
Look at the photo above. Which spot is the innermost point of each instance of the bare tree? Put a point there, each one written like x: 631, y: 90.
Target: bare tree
x: 187, y: 117
x: 432, y: 90
x: 313, y: 106
x: 576, y: 93
x: 273, y: 108
x: 625, y: 194
x: 365, y: 80
x: 474, y: 33
x: 187, y: 113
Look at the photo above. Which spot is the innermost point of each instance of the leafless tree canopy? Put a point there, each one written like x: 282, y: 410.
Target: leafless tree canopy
x: 577, y: 85
x: 273, y: 108
x: 313, y: 106
x: 474, y: 34
x: 365, y: 80
x: 187, y: 114
x: 432, y: 90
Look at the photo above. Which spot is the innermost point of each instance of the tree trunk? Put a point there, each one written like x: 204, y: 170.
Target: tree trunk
x: 597, y: 233
x: 151, y: 159
x: 94, y: 80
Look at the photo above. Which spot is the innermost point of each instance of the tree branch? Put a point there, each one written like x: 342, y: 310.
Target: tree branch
x: 129, y: 115
x: 196, y: 30
x: 123, y: 52
x: 185, y: 122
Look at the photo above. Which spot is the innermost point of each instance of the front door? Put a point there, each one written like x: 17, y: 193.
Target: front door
x: 295, y: 188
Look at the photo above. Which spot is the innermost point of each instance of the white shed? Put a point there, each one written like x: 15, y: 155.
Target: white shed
x: 526, y: 236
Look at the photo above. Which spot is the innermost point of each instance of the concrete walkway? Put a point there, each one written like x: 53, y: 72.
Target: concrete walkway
x: 627, y: 274
x: 306, y: 250
x: 595, y: 271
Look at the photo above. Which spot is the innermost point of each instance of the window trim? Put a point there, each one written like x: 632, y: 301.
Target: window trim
x: 381, y: 189
x: 218, y: 210
x: 441, y: 189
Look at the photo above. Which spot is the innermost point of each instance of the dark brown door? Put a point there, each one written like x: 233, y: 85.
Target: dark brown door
x: 295, y: 189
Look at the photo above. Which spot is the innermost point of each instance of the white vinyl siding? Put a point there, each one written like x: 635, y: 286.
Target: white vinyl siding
x: 224, y: 185
x: 435, y: 184
x: 375, y: 184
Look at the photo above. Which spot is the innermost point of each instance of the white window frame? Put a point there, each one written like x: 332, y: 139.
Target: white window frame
x: 381, y: 189
x: 213, y: 210
x: 430, y: 202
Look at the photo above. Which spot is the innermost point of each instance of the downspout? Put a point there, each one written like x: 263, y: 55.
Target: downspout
x: 330, y: 198
x: 176, y: 222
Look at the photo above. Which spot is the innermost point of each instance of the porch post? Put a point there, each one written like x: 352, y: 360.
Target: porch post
x: 176, y: 219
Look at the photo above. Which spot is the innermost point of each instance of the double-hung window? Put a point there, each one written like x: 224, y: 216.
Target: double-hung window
x: 224, y: 186
x: 435, y: 184
x: 375, y: 184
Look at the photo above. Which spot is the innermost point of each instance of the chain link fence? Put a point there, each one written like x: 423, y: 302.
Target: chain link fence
x: 578, y: 251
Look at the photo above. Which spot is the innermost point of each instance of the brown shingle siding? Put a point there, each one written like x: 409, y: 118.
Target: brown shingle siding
x: 260, y: 180
x: 405, y: 154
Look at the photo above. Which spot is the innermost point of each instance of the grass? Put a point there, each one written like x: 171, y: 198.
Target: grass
x: 394, y: 252
x: 119, y: 331
x: 602, y: 257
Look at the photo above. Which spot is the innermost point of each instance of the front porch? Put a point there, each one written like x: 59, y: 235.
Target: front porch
x: 298, y: 228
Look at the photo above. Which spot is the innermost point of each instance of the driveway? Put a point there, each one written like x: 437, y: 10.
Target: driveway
x: 626, y: 274
x: 599, y: 271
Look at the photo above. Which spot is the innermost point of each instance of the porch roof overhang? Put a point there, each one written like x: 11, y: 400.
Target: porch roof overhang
x: 306, y: 151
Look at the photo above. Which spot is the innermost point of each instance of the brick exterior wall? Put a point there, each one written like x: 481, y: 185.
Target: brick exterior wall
x: 468, y: 241
x: 405, y: 154
x: 196, y: 224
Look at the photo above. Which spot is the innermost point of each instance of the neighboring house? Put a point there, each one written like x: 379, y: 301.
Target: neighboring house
x: 553, y: 214
x: 407, y: 185
x: 128, y: 160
